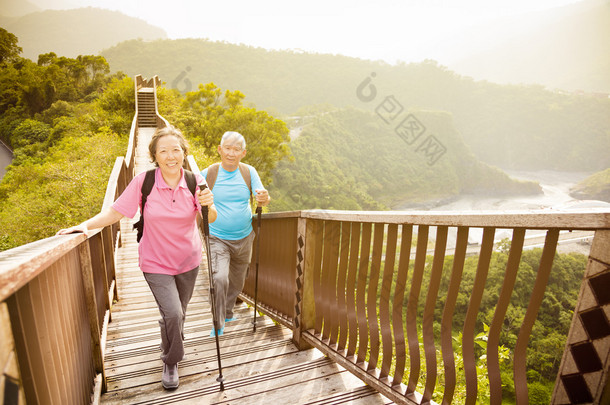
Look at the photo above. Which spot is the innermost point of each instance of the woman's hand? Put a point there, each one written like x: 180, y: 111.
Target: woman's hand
x: 205, y: 197
x: 107, y: 217
x: 82, y: 228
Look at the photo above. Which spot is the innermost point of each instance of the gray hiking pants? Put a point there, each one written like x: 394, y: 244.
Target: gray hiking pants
x: 172, y: 294
x: 230, y: 262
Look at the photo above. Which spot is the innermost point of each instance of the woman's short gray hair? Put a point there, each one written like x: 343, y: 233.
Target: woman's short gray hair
x: 160, y: 133
x: 233, y: 137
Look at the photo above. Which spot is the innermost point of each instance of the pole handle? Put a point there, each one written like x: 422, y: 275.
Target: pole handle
x: 204, y: 213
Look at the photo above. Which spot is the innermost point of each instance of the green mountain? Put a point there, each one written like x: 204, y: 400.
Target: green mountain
x: 594, y: 187
x: 352, y: 159
x: 509, y: 126
x: 83, y: 31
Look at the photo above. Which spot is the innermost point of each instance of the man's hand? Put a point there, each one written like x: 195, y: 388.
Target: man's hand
x: 262, y: 197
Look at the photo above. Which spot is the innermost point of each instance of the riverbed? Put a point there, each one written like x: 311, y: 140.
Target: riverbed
x: 555, y: 196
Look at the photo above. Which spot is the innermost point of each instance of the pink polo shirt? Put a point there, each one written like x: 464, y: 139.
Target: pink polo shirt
x: 170, y: 243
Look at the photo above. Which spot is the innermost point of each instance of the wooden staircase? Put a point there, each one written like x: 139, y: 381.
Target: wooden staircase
x: 147, y: 114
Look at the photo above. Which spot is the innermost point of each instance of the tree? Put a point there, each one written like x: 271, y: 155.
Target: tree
x: 9, y: 50
x: 207, y: 113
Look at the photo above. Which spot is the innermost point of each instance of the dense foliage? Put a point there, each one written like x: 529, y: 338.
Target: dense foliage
x: 66, y: 121
x: 351, y: 159
x: 522, y: 127
x: 206, y: 114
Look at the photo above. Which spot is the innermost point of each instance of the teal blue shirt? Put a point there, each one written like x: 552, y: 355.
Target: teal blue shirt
x: 232, y: 201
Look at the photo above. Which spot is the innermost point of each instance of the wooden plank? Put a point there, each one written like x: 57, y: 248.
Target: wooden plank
x: 50, y: 311
x: 301, y: 377
x: 363, y: 267
x: 371, y: 302
x: 493, y: 340
x: 428, y: 319
x: 315, y: 232
x: 397, y: 305
x: 448, y: 311
x: 9, y: 368
x: 341, y: 280
x: 384, y: 304
x: 352, y: 276
x: 476, y: 295
x: 591, y: 219
x: 332, y: 236
x: 22, y: 264
x: 542, y: 278
x: 411, y: 318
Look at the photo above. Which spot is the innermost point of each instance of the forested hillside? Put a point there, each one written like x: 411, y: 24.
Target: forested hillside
x: 512, y: 127
x: 351, y: 159
x: 66, y: 120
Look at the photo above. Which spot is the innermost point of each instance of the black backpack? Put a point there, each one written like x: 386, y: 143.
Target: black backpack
x: 147, y: 185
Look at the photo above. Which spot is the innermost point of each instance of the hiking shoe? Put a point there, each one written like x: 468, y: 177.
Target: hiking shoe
x: 220, y: 332
x: 233, y: 318
x: 170, y: 378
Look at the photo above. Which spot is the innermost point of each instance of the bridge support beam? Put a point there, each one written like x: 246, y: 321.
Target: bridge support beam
x: 585, y: 367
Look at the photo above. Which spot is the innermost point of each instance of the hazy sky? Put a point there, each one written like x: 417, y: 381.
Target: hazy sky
x: 407, y: 30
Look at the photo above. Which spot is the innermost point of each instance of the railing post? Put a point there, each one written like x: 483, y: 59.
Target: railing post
x: 305, y: 310
x: 84, y: 253
x: 585, y: 367
x: 11, y: 389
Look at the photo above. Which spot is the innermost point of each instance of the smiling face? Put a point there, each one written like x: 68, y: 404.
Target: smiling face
x: 169, y: 154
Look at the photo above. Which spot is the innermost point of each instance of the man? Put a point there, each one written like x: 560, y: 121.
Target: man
x: 231, y: 235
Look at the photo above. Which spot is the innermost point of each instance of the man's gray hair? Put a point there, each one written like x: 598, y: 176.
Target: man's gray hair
x: 233, y: 137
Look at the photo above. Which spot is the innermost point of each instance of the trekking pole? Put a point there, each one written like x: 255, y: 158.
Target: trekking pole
x: 259, y: 210
x: 206, y: 234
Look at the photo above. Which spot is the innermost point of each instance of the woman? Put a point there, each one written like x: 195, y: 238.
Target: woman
x: 170, y: 248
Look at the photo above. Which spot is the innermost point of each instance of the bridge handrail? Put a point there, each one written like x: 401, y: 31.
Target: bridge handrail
x: 591, y: 219
x: 49, y: 289
x: 339, y: 280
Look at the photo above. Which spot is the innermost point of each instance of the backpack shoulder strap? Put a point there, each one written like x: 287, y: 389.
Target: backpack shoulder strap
x: 191, y: 181
x: 147, y: 185
x: 212, y: 174
x: 245, y: 173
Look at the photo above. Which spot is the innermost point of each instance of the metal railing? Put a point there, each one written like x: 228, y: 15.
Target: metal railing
x: 352, y: 285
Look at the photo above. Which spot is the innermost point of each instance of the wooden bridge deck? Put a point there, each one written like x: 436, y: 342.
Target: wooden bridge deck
x: 258, y: 367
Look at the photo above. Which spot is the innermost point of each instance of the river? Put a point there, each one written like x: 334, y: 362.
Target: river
x: 555, y: 196
x: 6, y: 157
